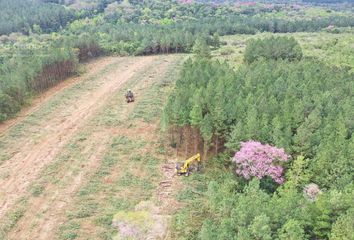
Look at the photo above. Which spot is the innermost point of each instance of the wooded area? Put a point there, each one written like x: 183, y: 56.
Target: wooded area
x: 29, y: 15
x: 124, y: 28
x: 301, y: 105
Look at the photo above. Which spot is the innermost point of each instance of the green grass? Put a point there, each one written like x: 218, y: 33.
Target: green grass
x: 36, y: 190
x: 68, y: 231
x: 151, y: 104
x: 28, y: 128
x: 99, y: 199
x: 12, y: 217
x: 125, y: 176
x: 84, y: 211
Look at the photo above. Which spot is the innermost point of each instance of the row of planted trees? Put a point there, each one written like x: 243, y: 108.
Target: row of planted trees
x: 301, y: 106
x: 28, y: 72
x: 31, y: 66
x: 142, y: 39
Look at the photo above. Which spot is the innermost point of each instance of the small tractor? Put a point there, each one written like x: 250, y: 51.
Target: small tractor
x: 129, y: 96
x: 187, y: 167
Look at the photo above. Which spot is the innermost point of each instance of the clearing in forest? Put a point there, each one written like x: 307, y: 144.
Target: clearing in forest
x: 82, y: 157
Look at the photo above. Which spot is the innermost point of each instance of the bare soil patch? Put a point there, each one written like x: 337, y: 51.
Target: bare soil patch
x: 24, y: 166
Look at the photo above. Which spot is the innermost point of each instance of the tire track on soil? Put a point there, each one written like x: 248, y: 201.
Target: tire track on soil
x: 38, y: 102
x: 131, y: 127
x: 24, y: 167
x: 56, y: 200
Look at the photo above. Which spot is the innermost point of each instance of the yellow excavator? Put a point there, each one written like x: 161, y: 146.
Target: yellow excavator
x: 186, y: 167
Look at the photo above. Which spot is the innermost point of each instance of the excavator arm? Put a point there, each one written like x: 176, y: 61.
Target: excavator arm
x: 186, y: 166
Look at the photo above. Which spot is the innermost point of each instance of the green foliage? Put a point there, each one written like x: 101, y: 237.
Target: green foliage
x: 273, y: 48
x: 37, y: 190
x: 343, y: 228
x: 8, y: 106
x: 12, y: 217
x: 230, y: 210
x: 260, y: 228
x: 69, y: 230
x: 302, y: 106
x: 330, y: 48
x: 26, y: 70
x: 298, y: 174
x: 201, y: 48
x: 292, y: 230
x: 126, y: 28
x: 28, y: 15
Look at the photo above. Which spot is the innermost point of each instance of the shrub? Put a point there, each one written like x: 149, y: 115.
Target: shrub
x: 273, y: 48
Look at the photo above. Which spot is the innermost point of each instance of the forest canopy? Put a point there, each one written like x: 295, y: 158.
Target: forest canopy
x: 302, y: 106
x: 30, y: 15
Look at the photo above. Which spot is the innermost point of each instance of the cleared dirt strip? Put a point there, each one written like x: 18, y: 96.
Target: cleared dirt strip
x: 23, y: 168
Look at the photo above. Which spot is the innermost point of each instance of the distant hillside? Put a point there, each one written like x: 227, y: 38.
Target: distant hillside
x: 274, y: 1
x: 24, y: 15
x: 44, y: 16
x: 328, y: 1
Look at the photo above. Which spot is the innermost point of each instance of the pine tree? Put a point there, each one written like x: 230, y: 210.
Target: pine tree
x: 207, y: 133
x: 292, y: 230
x: 298, y: 175
x: 260, y: 228
x: 201, y: 48
x: 216, y: 40
x: 343, y: 228
x: 306, y: 138
x: 252, y: 124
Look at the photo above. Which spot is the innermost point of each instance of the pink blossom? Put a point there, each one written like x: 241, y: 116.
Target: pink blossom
x: 260, y: 160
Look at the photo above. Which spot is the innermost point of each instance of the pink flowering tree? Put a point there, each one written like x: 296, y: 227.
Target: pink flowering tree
x: 260, y: 160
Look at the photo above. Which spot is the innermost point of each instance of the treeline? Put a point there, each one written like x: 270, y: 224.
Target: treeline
x: 326, y: 1
x: 95, y: 36
x: 27, y: 69
x: 49, y: 16
x: 138, y: 39
x: 85, y: 38
x: 30, y: 15
x: 162, y: 11
x: 302, y: 105
x: 132, y: 39
x: 276, y: 25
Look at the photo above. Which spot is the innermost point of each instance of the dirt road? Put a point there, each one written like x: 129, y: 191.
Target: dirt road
x: 50, y: 153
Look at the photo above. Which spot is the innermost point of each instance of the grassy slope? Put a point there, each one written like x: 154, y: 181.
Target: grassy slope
x: 121, y: 145
x: 129, y: 172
